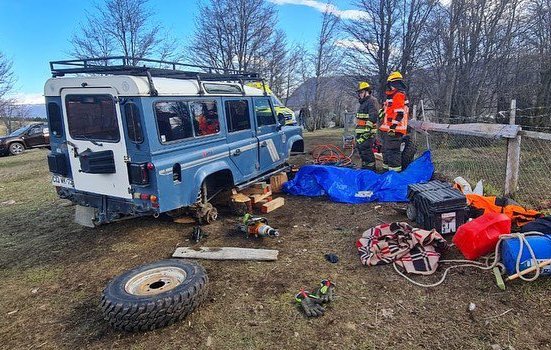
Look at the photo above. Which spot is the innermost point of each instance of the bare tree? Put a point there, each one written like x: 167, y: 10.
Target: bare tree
x: 233, y: 34
x: 375, y: 37
x: 387, y: 37
x: 272, y: 65
x: 325, y: 61
x: 121, y: 27
x: 296, y: 57
x: 7, y: 81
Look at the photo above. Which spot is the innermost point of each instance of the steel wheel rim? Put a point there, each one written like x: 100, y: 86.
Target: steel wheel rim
x: 155, y: 281
x: 17, y: 148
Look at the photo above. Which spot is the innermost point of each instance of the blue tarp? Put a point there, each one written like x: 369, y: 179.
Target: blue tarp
x: 359, y: 186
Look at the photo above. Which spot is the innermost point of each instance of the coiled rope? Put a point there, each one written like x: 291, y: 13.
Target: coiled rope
x: 485, y: 266
x: 331, y: 155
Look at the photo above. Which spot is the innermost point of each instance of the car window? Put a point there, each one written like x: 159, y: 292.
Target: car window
x: 222, y: 88
x: 54, y: 117
x: 20, y: 131
x: 205, y: 117
x: 133, y: 122
x: 263, y: 112
x: 35, y: 130
x: 92, y: 117
x: 237, y: 115
x: 173, y: 120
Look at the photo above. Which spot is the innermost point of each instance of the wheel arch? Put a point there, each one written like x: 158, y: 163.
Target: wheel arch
x: 296, y: 144
x: 217, y: 175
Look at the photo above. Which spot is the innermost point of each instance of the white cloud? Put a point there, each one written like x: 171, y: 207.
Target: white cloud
x: 29, y: 98
x: 322, y: 6
x: 353, y: 44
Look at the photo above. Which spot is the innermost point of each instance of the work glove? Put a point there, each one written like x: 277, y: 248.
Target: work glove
x: 326, y: 292
x: 309, y: 303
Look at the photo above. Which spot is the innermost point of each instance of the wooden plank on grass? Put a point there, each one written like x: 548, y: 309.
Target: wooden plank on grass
x: 272, y: 205
x: 226, y: 253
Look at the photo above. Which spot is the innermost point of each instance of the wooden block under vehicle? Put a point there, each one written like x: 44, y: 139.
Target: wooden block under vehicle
x: 277, y: 181
x: 272, y: 205
x: 257, y: 190
x: 258, y: 197
x: 259, y: 204
x: 240, y: 197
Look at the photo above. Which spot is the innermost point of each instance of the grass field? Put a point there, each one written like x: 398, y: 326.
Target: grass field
x: 53, y: 272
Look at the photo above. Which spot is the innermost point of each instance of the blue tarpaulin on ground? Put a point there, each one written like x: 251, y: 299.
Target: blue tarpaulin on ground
x: 359, y: 186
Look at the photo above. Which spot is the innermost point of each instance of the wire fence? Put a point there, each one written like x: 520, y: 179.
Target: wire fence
x: 473, y: 158
x: 483, y: 158
x: 535, y: 173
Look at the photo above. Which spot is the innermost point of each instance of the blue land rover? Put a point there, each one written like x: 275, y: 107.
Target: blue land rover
x: 131, y: 140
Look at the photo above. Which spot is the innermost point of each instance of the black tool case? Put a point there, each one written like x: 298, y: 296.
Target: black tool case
x: 415, y: 189
x: 438, y: 206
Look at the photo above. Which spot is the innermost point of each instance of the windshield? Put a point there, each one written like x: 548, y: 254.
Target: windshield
x: 20, y: 131
x: 276, y: 102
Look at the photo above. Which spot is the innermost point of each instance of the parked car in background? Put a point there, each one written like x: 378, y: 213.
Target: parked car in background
x: 31, y: 136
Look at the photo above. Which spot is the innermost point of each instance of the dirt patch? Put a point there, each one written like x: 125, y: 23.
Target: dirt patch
x: 53, y: 272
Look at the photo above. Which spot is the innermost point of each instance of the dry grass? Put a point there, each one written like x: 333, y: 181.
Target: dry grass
x: 53, y: 272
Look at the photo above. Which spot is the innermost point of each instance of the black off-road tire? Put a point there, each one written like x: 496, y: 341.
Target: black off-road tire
x: 408, y: 154
x: 146, y: 309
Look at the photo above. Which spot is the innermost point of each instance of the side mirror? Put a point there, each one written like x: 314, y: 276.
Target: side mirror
x: 280, y: 120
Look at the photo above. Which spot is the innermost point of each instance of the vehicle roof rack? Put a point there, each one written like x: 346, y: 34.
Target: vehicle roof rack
x: 124, y: 65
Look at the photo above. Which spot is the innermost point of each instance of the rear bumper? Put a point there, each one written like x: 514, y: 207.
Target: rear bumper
x: 109, y: 208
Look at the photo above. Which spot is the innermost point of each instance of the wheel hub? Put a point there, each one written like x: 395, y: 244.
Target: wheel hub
x: 155, y: 281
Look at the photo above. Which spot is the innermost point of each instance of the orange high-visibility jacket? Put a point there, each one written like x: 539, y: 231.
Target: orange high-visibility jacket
x: 396, y: 102
x: 519, y: 216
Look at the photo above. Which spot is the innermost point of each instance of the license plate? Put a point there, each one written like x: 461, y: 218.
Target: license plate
x: 62, y: 181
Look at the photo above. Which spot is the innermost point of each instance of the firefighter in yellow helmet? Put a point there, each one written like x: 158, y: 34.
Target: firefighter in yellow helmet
x: 394, y: 121
x: 366, y: 125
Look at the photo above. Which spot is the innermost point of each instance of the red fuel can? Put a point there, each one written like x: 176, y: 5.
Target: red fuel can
x: 480, y: 236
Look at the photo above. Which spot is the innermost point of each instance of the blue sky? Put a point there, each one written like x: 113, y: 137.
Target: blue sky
x: 34, y: 32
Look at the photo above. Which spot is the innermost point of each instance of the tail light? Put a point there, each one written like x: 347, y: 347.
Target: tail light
x: 139, y: 173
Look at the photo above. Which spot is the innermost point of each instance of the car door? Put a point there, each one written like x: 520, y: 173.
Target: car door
x: 271, y: 139
x: 95, y: 141
x: 241, y: 138
x: 35, y: 136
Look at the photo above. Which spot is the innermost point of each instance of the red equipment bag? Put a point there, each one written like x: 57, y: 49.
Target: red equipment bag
x: 480, y: 236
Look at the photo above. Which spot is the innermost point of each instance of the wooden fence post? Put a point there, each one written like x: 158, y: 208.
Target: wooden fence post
x: 513, y: 156
x: 425, y: 119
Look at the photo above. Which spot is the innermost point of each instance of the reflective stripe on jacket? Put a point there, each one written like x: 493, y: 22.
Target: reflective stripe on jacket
x: 366, y: 118
x: 396, y: 112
